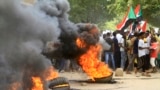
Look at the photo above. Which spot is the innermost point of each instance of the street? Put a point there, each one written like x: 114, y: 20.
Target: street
x: 127, y: 82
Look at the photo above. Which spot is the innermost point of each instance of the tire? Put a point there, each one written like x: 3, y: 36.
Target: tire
x: 62, y: 88
x: 59, y: 81
x: 102, y: 80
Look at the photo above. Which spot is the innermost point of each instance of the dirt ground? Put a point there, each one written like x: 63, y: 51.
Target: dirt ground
x: 125, y: 82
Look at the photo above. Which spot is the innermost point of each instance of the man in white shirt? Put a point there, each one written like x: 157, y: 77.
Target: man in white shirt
x: 147, y: 43
x: 123, y: 52
x: 141, y: 54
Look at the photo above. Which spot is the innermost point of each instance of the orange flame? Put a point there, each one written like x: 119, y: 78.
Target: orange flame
x: 49, y: 74
x: 90, y: 62
x: 38, y: 85
x: 80, y: 43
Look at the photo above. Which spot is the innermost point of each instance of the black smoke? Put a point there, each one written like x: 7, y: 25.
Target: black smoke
x: 67, y: 47
x: 25, y: 31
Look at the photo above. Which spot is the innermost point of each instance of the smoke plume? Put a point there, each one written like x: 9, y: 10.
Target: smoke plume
x: 24, y: 32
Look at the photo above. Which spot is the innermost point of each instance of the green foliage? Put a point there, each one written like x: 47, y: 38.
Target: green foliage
x: 107, y: 13
x: 111, y: 25
x: 150, y: 9
x: 89, y: 11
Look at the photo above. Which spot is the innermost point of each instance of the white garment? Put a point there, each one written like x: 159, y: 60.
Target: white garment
x: 122, y: 42
x: 152, y: 62
x: 104, y: 44
x: 118, y: 36
x: 146, y: 50
x: 141, y: 52
x: 148, y: 39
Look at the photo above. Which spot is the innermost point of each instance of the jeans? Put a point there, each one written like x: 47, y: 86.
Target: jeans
x: 62, y: 63
x: 123, y: 59
x: 107, y: 54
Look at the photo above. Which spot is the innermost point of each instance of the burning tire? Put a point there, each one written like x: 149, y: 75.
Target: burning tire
x: 107, y: 79
x: 59, y: 83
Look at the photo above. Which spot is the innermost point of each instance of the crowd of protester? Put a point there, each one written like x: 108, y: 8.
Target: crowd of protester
x: 138, y: 51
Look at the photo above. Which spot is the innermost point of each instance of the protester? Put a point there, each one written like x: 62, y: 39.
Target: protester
x: 122, y: 46
x: 131, y: 58
x: 116, y: 50
x: 62, y: 64
x: 141, y: 54
x: 154, y: 53
x: 105, y: 46
x: 147, y: 41
x: 74, y: 65
x: 109, y: 53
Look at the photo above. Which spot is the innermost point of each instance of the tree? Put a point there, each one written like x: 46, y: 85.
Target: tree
x: 108, y: 13
x: 89, y: 11
x: 150, y: 9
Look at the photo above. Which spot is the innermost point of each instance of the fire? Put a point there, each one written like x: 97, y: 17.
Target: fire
x: 49, y: 74
x: 38, y: 85
x: 80, y: 43
x: 90, y: 62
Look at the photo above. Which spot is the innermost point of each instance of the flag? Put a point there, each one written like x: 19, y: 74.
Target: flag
x: 135, y: 26
x: 143, y: 26
x: 128, y: 19
x: 138, y: 12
